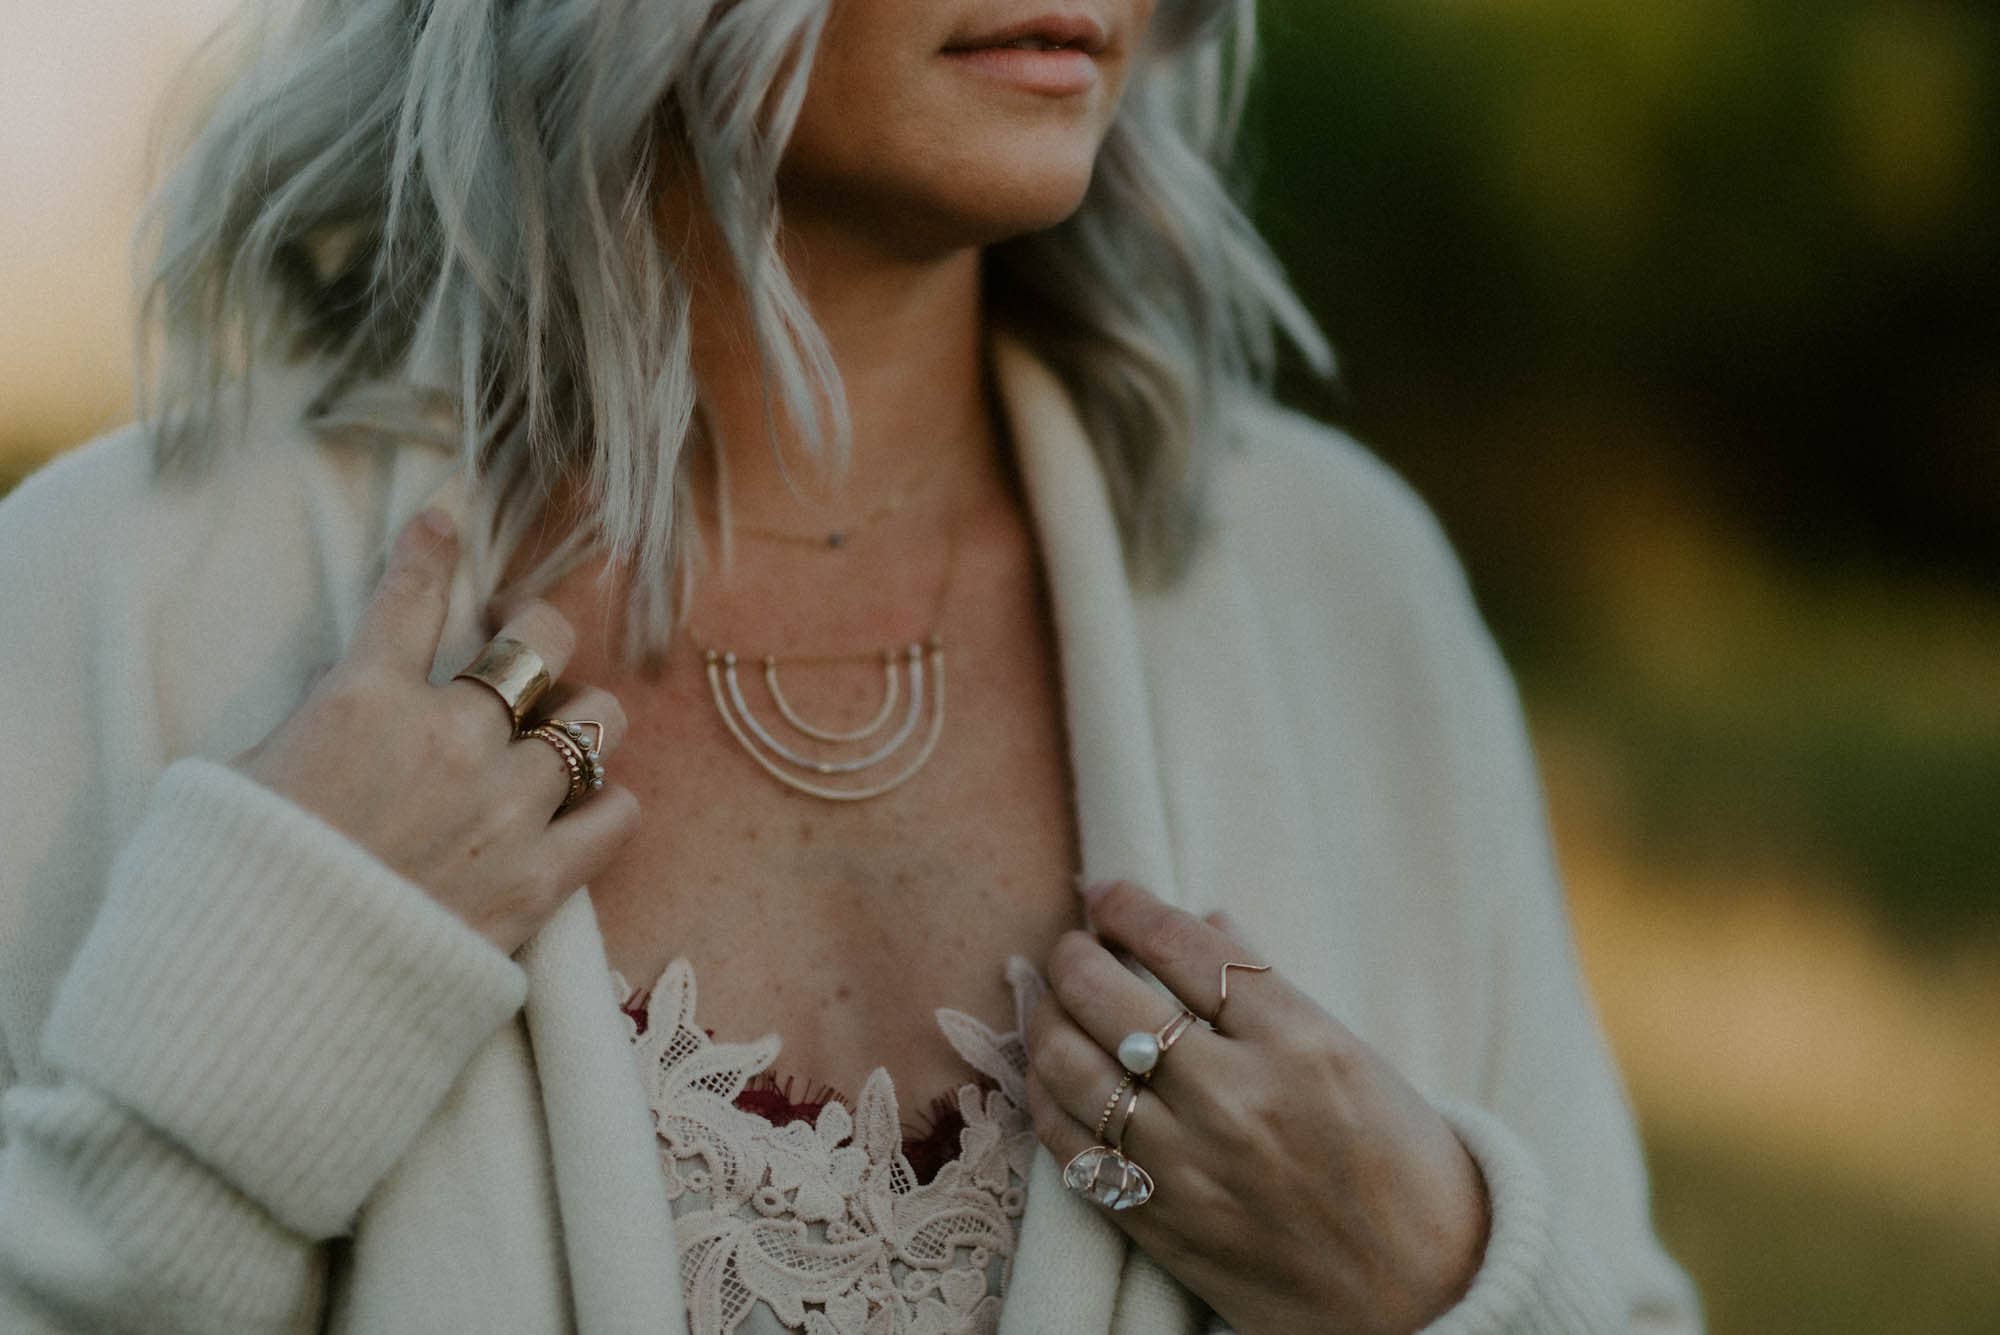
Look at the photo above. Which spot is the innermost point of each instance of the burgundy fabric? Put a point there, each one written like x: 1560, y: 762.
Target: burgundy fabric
x: 929, y: 1142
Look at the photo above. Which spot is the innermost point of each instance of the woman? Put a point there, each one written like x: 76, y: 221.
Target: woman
x: 322, y: 890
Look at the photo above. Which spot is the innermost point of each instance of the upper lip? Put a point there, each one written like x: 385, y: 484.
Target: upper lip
x: 1078, y: 30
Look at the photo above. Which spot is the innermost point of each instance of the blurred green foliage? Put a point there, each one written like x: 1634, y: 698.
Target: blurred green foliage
x: 1781, y: 1249
x: 1731, y: 261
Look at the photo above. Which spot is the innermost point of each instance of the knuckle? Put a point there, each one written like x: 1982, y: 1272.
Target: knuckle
x: 547, y: 626
x: 1256, y: 1116
x: 1050, y: 1053
x: 1040, y: 1020
x: 410, y: 581
x: 454, y: 749
x: 345, y: 693
x: 621, y: 814
x: 1046, y: 1116
x: 1071, y: 974
x: 475, y: 711
x: 548, y: 886
x: 1171, y: 935
x: 350, y: 693
x: 1121, y: 902
x: 1337, y: 1051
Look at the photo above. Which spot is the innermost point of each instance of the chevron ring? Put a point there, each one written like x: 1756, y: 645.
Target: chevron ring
x: 1247, y: 968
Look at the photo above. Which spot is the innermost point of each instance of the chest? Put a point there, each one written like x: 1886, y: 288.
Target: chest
x: 842, y: 927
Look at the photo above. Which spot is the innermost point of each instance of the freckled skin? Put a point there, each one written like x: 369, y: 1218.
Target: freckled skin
x: 843, y: 926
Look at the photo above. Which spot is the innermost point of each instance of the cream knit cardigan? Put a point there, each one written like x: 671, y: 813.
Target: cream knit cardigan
x: 254, y: 1081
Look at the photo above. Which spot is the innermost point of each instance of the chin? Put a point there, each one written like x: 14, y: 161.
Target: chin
x: 903, y: 147
x: 984, y: 191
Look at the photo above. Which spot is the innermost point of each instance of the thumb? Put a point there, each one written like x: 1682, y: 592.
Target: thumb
x: 401, y: 625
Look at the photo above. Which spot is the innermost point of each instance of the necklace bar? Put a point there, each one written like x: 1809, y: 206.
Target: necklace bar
x: 852, y: 766
x: 824, y: 791
x: 868, y: 729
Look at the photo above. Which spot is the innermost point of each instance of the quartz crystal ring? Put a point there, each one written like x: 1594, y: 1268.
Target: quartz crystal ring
x: 512, y: 671
x: 579, y: 756
x: 1140, y: 1051
x: 1103, y: 1174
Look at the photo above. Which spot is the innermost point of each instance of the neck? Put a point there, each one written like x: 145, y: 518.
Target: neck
x: 907, y: 334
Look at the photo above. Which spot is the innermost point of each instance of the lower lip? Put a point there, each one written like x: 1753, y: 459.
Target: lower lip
x: 1056, y: 73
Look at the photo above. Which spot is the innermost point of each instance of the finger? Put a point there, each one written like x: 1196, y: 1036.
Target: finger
x: 587, y: 838
x: 401, y: 624
x: 537, y: 624
x: 1187, y: 954
x: 1222, y: 920
x: 499, y: 610
x: 1083, y: 1079
x: 1064, y: 1135
x: 540, y: 761
x: 1108, y: 1002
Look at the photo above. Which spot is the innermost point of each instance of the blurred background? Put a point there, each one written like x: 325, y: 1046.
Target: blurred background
x: 1685, y: 316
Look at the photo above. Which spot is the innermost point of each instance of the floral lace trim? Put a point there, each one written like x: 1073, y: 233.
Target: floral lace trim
x: 825, y: 1222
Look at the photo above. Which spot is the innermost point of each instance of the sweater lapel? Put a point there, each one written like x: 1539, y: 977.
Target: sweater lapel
x: 1073, y: 1272
x: 617, y: 1225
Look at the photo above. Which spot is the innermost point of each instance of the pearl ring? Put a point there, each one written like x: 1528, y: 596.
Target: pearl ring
x: 1140, y: 1051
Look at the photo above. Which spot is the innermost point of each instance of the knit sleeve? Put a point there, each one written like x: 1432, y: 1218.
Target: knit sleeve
x: 1572, y: 1250
x: 259, y: 1021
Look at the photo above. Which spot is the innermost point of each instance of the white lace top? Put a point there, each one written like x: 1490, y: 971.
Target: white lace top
x: 821, y: 1224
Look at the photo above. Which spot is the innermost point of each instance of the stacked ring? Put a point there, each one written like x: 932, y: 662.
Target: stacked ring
x: 512, y: 671
x: 1125, y: 1122
x: 586, y: 770
x: 1140, y: 1051
x: 1110, y: 1105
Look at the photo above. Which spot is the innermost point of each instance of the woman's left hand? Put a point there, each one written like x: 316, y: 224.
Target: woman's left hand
x: 1301, y: 1184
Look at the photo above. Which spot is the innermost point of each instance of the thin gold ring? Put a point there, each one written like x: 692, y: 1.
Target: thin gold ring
x: 1110, y: 1105
x: 1171, y: 1032
x: 1125, y: 1121
x: 581, y: 758
x: 1224, y: 987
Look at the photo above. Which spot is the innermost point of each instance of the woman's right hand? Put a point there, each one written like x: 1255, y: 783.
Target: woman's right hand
x: 431, y: 778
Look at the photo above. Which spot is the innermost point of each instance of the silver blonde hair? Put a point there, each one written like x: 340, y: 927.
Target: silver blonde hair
x: 476, y: 177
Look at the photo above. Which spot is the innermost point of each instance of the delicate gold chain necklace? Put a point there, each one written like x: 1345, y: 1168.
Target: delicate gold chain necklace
x: 842, y: 764
x: 834, y: 538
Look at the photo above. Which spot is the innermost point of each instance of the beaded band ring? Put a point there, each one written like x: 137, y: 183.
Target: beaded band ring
x: 586, y: 770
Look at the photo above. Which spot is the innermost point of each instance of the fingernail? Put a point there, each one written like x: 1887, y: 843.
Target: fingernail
x: 1095, y: 891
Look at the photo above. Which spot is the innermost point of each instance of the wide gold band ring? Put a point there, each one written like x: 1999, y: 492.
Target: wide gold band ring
x: 512, y: 671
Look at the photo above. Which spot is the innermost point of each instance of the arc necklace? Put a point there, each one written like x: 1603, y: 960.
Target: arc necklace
x: 841, y: 764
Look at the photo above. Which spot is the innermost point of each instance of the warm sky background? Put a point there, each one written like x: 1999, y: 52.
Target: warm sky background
x: 79, y: 82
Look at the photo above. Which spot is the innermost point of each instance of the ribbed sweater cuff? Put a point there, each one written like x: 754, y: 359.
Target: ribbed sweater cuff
x: 268, y: 993
x: 1532, y: 1280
